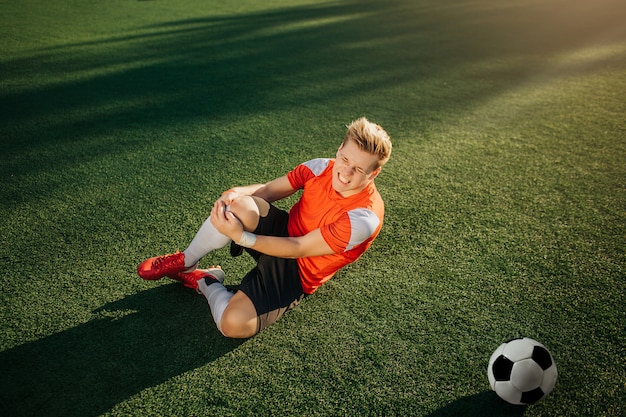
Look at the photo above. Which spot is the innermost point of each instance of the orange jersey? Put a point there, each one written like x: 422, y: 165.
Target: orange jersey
x: 348, y: 225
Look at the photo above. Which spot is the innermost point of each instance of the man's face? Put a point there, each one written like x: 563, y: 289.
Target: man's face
x: 354, y: 169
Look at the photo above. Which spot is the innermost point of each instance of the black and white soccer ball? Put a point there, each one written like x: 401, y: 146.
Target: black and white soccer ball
x: 522, y: 371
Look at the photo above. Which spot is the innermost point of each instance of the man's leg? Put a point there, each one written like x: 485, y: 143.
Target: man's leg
x: 235, y: 315
x: 268, y: 291
x: 207, y: 239
x: 247, y: 209
x: 265, y: 294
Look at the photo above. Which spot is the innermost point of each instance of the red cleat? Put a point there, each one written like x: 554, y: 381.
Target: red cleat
x: 190, y: 279
x: 162, y: 266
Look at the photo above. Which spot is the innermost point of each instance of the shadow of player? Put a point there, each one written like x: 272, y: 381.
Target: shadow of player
x: 129, y: 345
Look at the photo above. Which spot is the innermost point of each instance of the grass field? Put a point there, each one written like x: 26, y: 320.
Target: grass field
x: 121, y: 121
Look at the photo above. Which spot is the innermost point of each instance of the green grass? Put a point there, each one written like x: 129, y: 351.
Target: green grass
x: 121, y: 121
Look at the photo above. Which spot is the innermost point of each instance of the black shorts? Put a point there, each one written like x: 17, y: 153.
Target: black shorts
x: 273, y: 284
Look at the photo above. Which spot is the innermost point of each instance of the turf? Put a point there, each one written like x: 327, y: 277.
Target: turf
x: 121, y: 121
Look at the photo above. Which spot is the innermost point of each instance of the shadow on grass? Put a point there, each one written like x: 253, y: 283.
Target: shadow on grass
x: 485, y: 404
x: 135, y: 343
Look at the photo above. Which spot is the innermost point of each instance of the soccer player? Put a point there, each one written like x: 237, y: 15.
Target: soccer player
x: 336, y: 219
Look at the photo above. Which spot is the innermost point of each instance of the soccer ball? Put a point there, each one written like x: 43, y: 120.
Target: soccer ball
x: 522, y: 371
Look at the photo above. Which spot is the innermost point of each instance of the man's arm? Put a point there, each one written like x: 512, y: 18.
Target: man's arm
x: 311, y: 244
x: 275, y: 190
x: 272, y: 191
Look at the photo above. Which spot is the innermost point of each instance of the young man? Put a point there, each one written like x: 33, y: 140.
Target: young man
x: 336, y: 219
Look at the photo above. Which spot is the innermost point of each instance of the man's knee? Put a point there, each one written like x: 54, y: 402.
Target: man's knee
x: 234, y: 324
x: 248, y: 209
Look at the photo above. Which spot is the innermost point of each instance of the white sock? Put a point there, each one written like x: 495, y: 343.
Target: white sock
x: 218, y: 297
x: 206, y: 240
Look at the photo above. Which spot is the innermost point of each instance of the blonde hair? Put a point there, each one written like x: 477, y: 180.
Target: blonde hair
x: 370, y: 138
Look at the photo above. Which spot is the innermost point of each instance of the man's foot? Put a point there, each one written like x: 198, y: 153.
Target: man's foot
x: 162, y: 266
x: 190, y: 279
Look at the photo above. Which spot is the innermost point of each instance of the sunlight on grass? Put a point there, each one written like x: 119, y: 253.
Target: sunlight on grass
x: 591, y: 56
x: 310, y: 24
